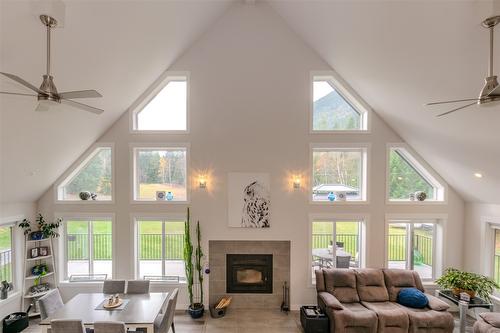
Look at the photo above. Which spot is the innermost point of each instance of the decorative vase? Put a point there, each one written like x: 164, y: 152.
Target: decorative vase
x: 421, y: 196
x: 93, y: 196
x: 85, y: 195
x: 36, y: 235
x: 170, y: 196
x: 457, y: 291
x: 331, y: 196
x: 196, y: 310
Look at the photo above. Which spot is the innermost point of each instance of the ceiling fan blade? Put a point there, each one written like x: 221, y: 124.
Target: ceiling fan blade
x: 79, y: 94
x: 460, y: 108
x: 454, y: 101
x: 42, y: 107
x: 23, y: 82
x: 11, y: 93
x: 82, y: 106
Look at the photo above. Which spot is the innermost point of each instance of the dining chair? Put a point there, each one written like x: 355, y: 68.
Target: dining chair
x: 110, y: 327
x: 165, y: 320
x: 67, y: 326
x: 50, y: 303
x: 138, y: 287
x: 113, y: 287
x: 343, y: 262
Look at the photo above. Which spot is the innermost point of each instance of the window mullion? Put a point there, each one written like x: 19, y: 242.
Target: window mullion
x: 410, y: 261
x: 163, y: 239
x: 334, y: 245
x: 91, y: 246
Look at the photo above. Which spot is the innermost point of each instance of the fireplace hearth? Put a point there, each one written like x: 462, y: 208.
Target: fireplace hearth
x: 249, y: 273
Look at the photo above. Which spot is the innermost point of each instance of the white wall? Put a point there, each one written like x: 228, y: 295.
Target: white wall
x: 249, y: 112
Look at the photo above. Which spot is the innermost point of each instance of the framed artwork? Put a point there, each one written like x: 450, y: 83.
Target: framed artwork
x: 34, y: 252
x: 249, y: 200
x: 43, y: 251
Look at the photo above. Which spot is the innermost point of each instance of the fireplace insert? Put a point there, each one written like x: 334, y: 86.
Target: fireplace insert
x: 249, y: 273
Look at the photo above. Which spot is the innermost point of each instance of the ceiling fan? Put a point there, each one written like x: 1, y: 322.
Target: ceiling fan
x: 491, y: 89
x: 47, y: 94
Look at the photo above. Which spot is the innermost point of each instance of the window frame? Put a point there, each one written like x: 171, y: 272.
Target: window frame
x: 488, y: 226
x: 150, y: 93
x: 163, y: 217
x: 63, y: 240
x: 158, y: 146
x: 77, y: 167
x: 348, y: 94
x: 438, y: 221
x: 12, y: 224
x: 362, y: 219
x: 365, y: 149
x: 423, y: 169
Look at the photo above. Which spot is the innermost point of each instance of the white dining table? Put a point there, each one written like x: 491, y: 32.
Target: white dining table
x: 140, y: 311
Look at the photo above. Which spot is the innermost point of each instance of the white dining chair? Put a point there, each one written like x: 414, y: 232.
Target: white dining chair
x: 110, y: 327
x: 138, y: 287
x: 165, y: 320
x: 113, y: 287
x: 50, y: 303
x: 67, y: 326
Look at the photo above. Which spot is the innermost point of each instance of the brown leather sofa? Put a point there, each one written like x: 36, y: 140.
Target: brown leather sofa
x: 487, y: 322
x: 364, y: 300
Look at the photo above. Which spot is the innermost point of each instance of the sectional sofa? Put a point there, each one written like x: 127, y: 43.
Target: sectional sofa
x: 364, y: 300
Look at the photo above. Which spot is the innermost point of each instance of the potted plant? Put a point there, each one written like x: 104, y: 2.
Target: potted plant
x: 470, y: 283
x: 195, y: 310
x: 45, y: 230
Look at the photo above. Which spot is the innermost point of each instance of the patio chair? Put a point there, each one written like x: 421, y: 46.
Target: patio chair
x: 165, y: 320
x: 50, y: 303
x: 138, y: 287
x: 343, y: 262
x: 113, y: 287
x: 67, y: 326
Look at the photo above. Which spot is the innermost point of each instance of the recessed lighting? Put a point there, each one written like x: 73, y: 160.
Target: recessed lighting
x: 478, y: 175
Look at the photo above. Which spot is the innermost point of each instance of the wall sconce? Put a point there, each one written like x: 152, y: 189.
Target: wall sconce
x: 202, y: 181
x: 296, y: 182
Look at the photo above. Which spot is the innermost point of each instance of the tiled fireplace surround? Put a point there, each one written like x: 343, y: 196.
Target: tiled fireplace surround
x: 281, y: 271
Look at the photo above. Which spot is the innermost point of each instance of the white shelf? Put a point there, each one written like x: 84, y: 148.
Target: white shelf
x: 33, y: 314
x: 39, y: 258
x: 38, y: 295
x: 32, y: 277
x: 37, y: 240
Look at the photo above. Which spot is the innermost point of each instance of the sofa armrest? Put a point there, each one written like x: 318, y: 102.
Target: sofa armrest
x: 330, y: 300
x: 437, y: 304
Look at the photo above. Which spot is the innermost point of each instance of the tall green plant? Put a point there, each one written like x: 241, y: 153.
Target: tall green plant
x: 198, y: 260
x: 188, y: 256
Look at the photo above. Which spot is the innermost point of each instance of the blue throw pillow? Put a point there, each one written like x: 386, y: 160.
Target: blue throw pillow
x: 412, y: 298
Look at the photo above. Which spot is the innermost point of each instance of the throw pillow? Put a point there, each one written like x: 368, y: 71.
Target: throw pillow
x: 412, y: 298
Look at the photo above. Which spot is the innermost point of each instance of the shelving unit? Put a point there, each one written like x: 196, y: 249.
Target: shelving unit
x: 31, y: 280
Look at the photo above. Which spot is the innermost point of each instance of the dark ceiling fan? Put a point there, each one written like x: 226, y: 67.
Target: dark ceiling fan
x: 491, y: 89
x: 47, y: 94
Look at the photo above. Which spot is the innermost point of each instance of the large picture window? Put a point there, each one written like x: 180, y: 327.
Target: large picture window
x: 410, y: 245
x: 339, y: 174
x: 160, y: 169
x: 496, y: 255
x: 160, y: 248
x: 89, y: 247
x: 6, y: 257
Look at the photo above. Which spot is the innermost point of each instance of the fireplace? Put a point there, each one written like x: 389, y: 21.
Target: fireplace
x: 249, y: 273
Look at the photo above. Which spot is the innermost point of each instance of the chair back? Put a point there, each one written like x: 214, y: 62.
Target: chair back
x: 113, y: 287
x: 138, y: 287
x: 50, y: 303
x: 165, y: 319
x: 67, y: 326
x: 109, y: 327
x: 343, y: 262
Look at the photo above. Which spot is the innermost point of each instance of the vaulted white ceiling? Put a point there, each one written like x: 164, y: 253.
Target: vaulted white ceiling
x: 397, y: 55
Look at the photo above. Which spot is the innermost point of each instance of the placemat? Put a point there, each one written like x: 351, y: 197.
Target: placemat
x: 121, y: 307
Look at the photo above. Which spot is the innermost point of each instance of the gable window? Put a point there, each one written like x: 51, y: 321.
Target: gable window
x: 6, y: 255
x: 94, y: 175
x: 160, y: 169
x: 407, y: 176
x: 339, y: 174
x: 336, y: 243
x: 89, y: 247
x: 410, y: 245
x: 334, y: 108
x: 160, y: 248
x: 166, y: 108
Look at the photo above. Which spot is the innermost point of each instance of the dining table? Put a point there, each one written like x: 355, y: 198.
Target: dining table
x: 139, y: 311
x: 326, y: 255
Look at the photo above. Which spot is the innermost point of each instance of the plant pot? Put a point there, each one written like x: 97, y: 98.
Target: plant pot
x: 196, y: 310
x: 457, y: 291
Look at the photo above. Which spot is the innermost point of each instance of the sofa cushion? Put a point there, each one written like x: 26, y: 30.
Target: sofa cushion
x: 413, y: 298
x: 341, y: 283
x: 389, y: 315
x: 491, y: 318
x: 437, y: 304
x: 397, y: 279
x: 371, y: 285
x: 428, y: 319
x: 329, y: 300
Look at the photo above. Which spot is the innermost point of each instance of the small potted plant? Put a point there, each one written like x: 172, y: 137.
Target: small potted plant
x: 470, y: 283
x: 45, y: 229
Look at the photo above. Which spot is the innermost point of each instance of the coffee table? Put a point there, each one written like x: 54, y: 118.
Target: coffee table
x: 463, y: 306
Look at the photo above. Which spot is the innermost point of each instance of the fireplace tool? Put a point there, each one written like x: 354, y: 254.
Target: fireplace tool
x: 285, y: 305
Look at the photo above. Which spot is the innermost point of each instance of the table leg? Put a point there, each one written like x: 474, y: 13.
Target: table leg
x: 463, y: 306
x: 44, y: 328
x: 150, y: 329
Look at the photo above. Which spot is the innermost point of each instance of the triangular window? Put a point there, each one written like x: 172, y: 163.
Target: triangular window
x: 332, y: 110
x: 94, y: 175
x: 407, y: 177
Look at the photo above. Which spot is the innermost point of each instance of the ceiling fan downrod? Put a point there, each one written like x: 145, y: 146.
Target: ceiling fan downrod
x: 48, y: 85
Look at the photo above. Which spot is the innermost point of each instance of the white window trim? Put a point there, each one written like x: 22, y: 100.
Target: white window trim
x: 348, y: 93
x: 159, y: 146
x: 136, y: 218
x: 438, y: 243
x: 150, y: 94
x: 427, y: 173
x: 488, y: 226
x: 74, y: 169
x: 13, y: 222
x: 363, y: 219
x: 62, y: 243
x: 365, y: 171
